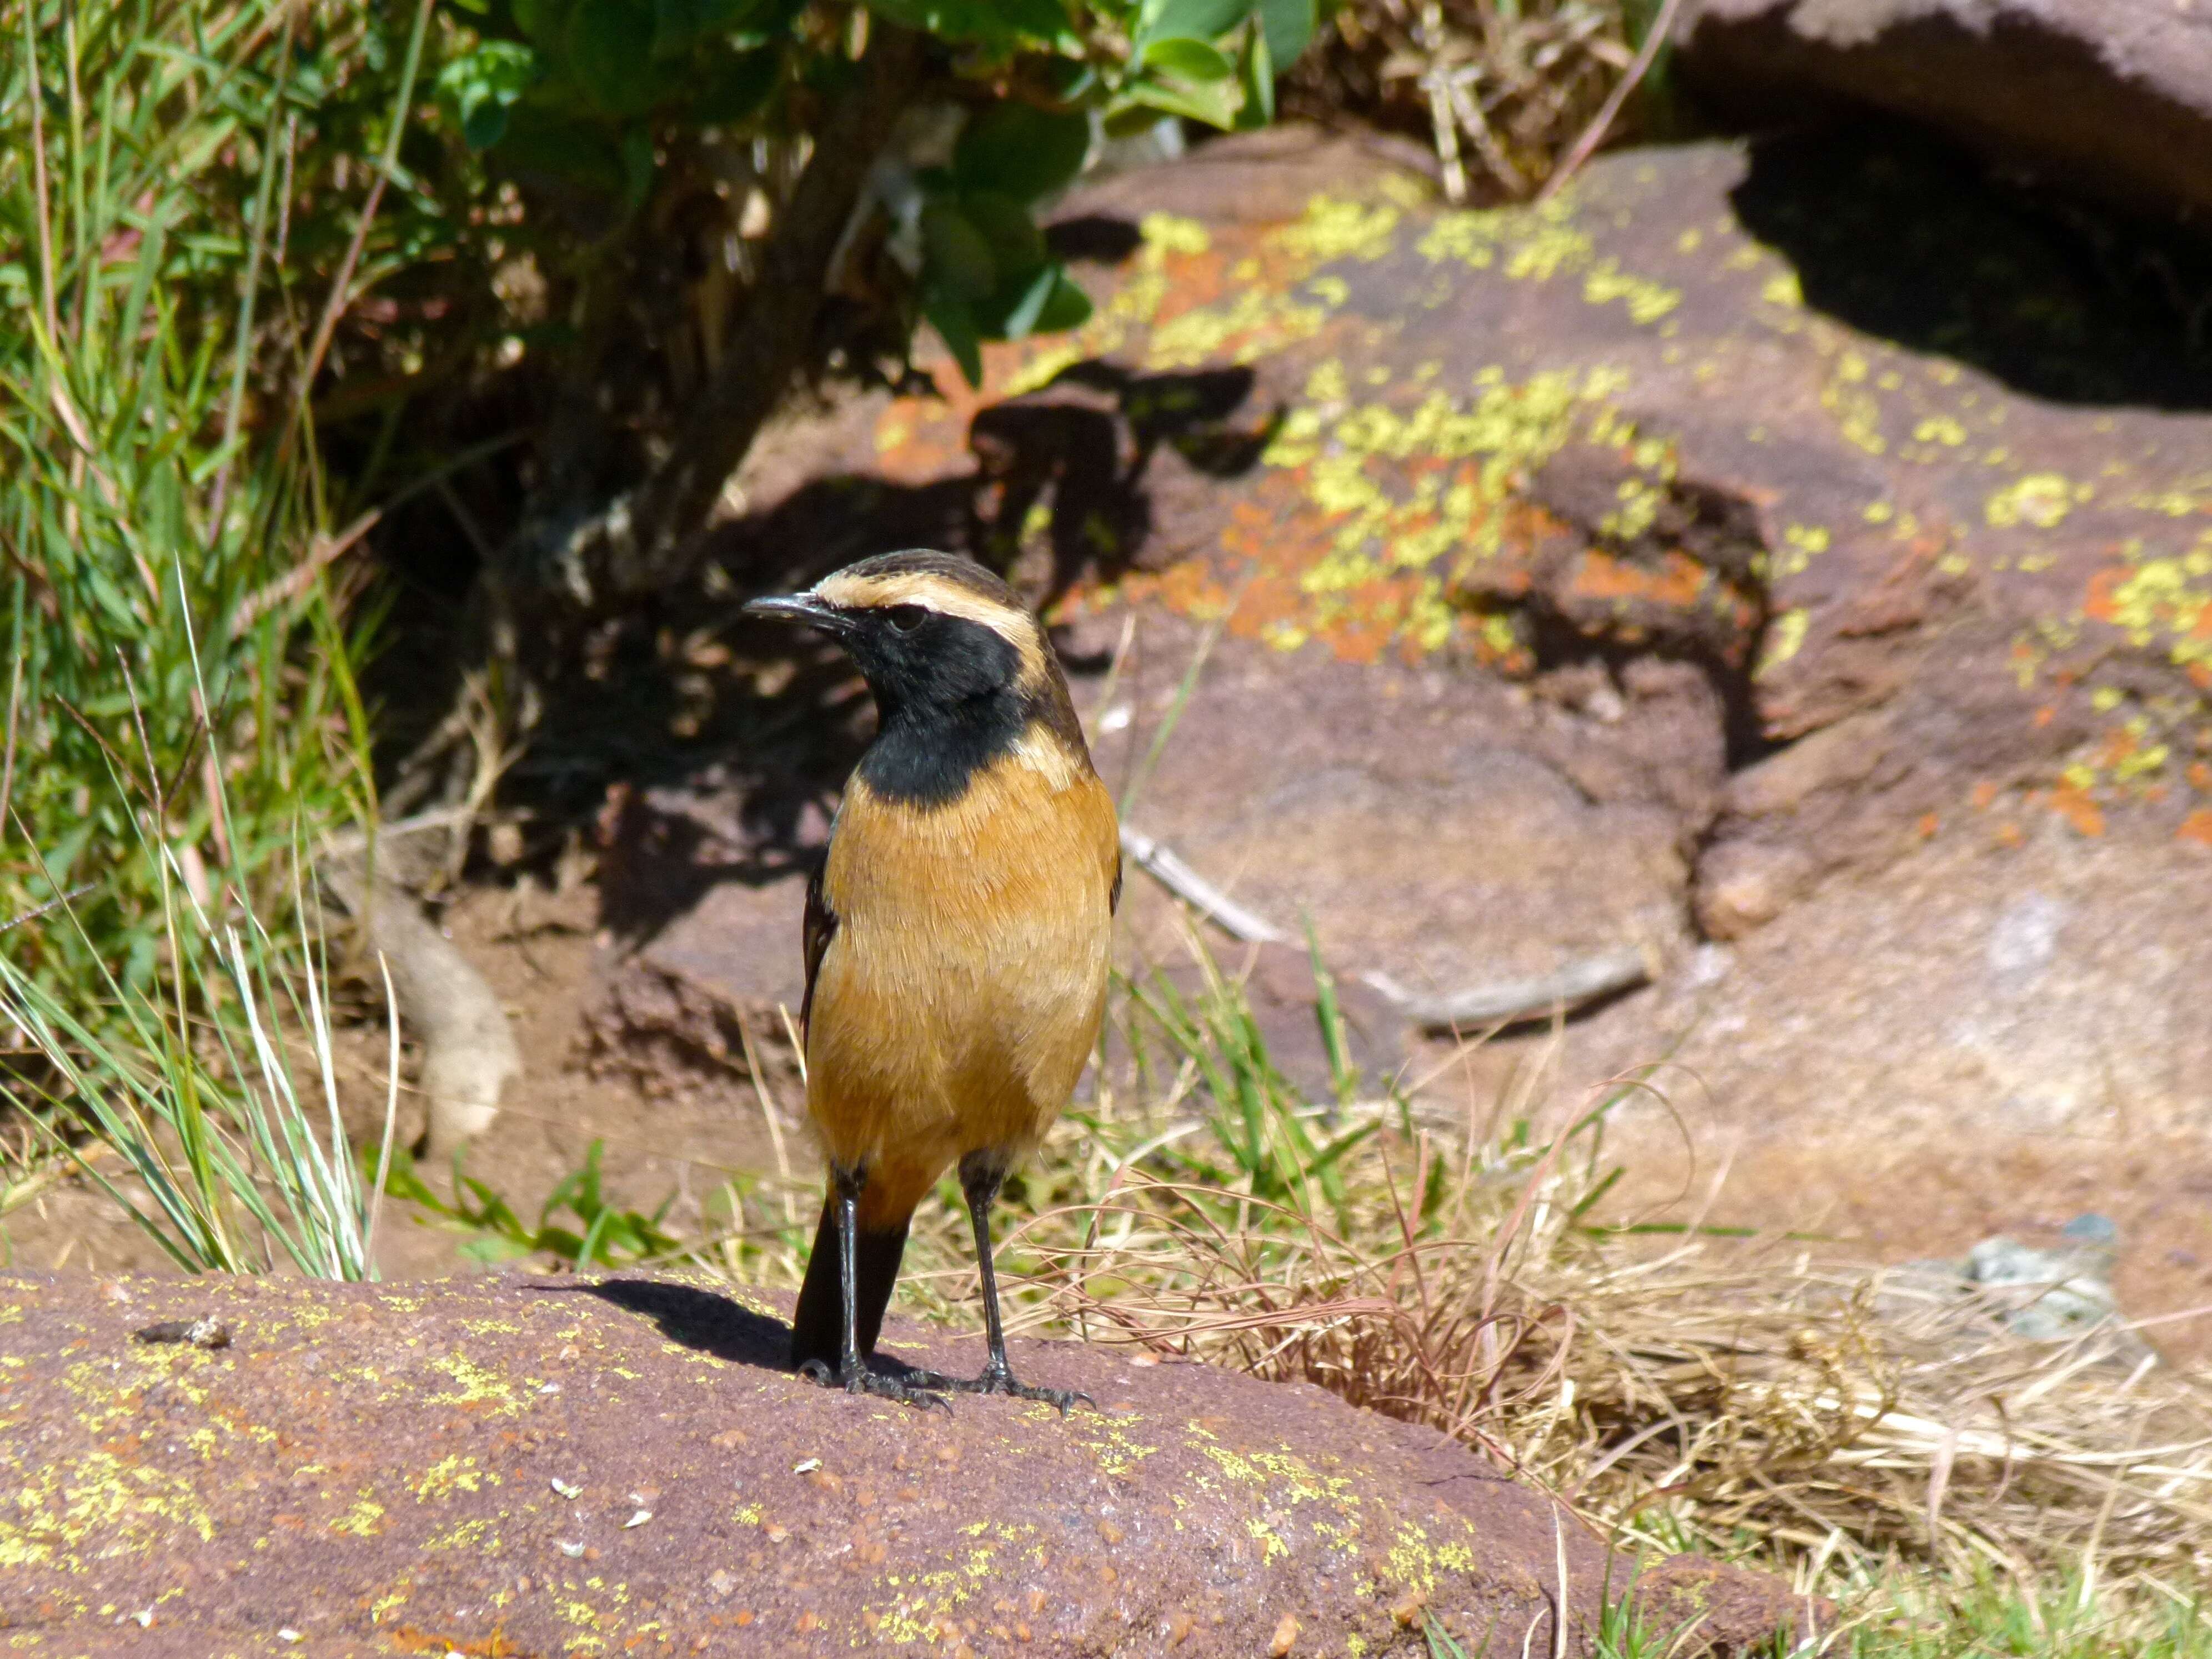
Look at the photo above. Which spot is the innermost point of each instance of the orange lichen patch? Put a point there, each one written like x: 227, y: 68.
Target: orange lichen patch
x: 1929, y: 824
x: 2008, y: 835
x: 2196, y: 827
x: 1678, y: 581
x: 408, y: 1640
x: 2200, y: 776
x: 2119, y: 744
x: 1985, y: 794
x: 2074, y: 803
x: 2046, y: 714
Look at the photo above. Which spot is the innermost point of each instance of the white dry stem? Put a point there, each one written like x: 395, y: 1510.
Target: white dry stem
x: 469, y: 1051
x: 1503, y: 1002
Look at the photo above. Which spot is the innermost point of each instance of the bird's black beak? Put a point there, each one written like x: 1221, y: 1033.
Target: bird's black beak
x: 802, y: 608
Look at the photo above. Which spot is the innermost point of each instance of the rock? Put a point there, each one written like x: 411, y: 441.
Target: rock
x: 1900, y: 545
x: 1791, y: 541
x: 542, y: 1466
x: 702, y: 885
x: 2110, y: 97
x: 2062, y: 1294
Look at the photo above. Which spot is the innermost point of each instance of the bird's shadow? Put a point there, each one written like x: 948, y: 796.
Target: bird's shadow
x: 711, y: 1324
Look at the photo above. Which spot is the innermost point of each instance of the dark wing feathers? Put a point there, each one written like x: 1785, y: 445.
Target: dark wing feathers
x: 821, y: 927
x: 1113, y: 894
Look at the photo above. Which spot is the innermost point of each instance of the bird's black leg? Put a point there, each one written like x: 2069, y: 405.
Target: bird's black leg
x: 981, y: 1175
x: 854, y: 1374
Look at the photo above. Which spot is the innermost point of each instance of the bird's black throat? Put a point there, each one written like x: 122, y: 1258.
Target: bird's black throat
x: 926, y: 754
x: 950, y: 699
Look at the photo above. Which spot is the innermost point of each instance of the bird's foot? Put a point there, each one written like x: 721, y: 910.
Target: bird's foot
x: 915, y: 1388
x: 996, y: 1379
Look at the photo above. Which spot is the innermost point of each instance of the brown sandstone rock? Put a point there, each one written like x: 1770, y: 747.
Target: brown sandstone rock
x: 545, y: 1466
x: 2110, y: 97
x: 1791, y: 543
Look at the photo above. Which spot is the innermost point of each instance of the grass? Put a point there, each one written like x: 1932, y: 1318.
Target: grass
x: 1954, y: 1489
x: 1507, y: 92
x: 181, y: 717
x: 172, y: 654
x: 232, y: 1155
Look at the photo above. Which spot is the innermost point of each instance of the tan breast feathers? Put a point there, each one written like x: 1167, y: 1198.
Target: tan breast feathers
x: 963, y: 991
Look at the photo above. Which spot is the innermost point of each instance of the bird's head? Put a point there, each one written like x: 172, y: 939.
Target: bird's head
x: 928, y: 631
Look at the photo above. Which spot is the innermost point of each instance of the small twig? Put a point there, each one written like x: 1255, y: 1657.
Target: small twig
x: 53, y: 903
x: 1509, y: 1001
x: 348, y: 843
x: 1594, y: 134
x: 1503, y: 1003
x: 294, y: 581
x: 1163, y: 866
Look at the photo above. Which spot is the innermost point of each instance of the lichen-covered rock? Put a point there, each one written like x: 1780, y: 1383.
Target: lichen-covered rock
x: 2110, y: 97
x: 1793, y: 557
x: 1826, y: 420
x: 620, y: 1466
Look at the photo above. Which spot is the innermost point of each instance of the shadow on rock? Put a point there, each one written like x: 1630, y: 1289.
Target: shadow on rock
x: 711, y: 1324
x: 1910, y: 240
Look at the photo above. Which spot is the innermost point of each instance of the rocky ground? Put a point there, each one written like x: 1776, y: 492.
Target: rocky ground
x: 513, y: 1466
x: 1684, y: 568
x: 1786, y: 560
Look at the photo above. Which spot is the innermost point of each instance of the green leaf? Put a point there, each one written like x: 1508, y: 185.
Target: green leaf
x: 956, y: 326
x: 401, y: 1180
x: 1215, y: 104
x: 1040, y: 301
x: 958, y: 261
x: 481, y: 86
x: 490, y: 1250
x: 610, y: 46
x: 1129, y: 121
x: 1015, y: 242
x: 1188, y: 20
x: 1189, y: 60
x: 1257, y: 73
x: 1066, y: 307
x: 541, y: 20
x: 1289, y: 26
x: 567, y: 149
x: 1020, y: 151
x: 735, y: 85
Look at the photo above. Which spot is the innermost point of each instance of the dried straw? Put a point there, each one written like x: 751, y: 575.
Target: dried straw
x: 1838, y: 1415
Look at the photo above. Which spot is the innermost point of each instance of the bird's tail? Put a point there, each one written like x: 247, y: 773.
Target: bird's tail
x: 818, y: 1326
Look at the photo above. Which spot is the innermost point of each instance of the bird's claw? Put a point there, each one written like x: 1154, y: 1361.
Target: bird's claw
x: 995, y: 1381
x: 914, y: 1389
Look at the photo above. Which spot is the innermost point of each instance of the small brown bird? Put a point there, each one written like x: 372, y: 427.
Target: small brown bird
x: 956, y: 938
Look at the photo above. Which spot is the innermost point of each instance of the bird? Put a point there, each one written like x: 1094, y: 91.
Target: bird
x: 958, y: 939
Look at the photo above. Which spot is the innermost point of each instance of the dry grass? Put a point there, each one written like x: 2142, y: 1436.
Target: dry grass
x: 1692, y: 1390
x: 1503, y: 90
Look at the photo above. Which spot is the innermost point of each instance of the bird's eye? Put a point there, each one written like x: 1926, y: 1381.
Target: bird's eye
x: 905, y: 618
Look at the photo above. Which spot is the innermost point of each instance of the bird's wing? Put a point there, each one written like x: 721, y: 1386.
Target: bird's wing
x: 1114, y: 893
x: 821, y: 927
